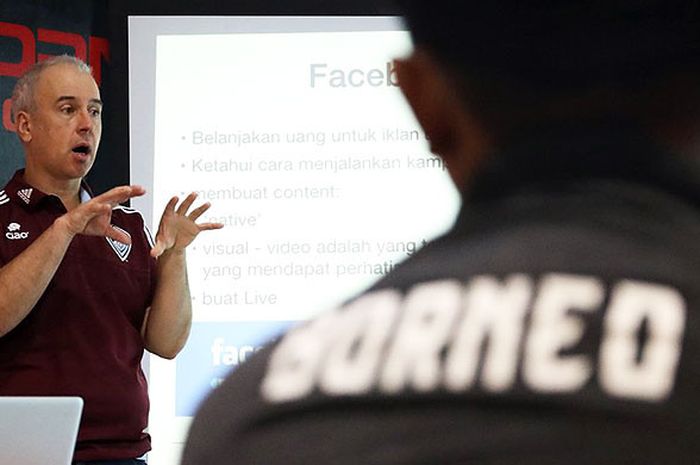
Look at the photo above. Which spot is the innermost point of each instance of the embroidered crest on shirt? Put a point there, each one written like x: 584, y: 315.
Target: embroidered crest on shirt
x: 25, y: 194
x: 122, y: 250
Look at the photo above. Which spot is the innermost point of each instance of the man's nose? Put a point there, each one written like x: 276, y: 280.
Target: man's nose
x: 85, y: 121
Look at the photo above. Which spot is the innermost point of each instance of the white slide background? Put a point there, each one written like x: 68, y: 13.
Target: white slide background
x: 324, y: 183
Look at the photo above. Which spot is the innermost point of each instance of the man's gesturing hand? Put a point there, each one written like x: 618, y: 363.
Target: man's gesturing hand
x: 178, y: 228
x: 93, y: 218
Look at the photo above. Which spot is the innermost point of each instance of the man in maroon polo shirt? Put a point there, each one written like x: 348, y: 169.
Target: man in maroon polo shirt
x: 83, y: 288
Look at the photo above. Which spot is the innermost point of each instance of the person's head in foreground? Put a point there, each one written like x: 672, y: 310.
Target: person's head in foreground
x: 557, y: 321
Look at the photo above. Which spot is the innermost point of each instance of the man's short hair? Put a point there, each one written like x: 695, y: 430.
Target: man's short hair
x: 23, y: 92
x: 510, y: 54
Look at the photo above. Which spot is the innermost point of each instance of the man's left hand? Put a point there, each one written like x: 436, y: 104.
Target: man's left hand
x: 178, y: 228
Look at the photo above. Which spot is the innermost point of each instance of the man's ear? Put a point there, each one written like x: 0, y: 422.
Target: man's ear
x: 454, y: 133
x: 428, y: 95
x: 23, y: 126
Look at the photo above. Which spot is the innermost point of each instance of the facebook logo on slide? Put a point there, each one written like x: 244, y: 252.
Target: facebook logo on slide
x: 213, y: 351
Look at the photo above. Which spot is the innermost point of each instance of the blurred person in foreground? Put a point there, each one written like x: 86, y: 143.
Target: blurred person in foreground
x: 84, y: 290
x: 557, y: 321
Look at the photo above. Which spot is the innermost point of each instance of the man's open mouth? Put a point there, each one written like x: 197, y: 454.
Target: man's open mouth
x: 83, y: 149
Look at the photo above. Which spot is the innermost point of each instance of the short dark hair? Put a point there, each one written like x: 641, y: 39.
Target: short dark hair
x: 516, y: 59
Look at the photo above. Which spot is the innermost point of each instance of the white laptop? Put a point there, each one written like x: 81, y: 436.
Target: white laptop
x: 38, y: 430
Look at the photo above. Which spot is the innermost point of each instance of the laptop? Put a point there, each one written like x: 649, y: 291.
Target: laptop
x: 38, y: 430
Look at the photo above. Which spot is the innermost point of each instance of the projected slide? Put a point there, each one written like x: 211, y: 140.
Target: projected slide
x: 296, y: 132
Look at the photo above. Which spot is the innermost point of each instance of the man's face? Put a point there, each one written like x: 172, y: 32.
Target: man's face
x: 65, y: 125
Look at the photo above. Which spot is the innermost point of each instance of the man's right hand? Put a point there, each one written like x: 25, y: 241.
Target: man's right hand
x: 93, y: 218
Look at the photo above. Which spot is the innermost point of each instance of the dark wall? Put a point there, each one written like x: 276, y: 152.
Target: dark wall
x: 107, y: 20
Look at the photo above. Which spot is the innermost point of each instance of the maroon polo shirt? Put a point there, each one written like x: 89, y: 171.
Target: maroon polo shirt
x: 83, y: 336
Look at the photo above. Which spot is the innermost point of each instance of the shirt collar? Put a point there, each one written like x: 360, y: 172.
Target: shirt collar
x: 31, y: 198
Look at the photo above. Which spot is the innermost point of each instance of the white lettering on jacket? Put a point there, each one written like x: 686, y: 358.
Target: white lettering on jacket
x: 489, y: 332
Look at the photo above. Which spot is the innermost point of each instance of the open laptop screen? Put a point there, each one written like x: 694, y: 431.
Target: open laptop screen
x: 38, y: 430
